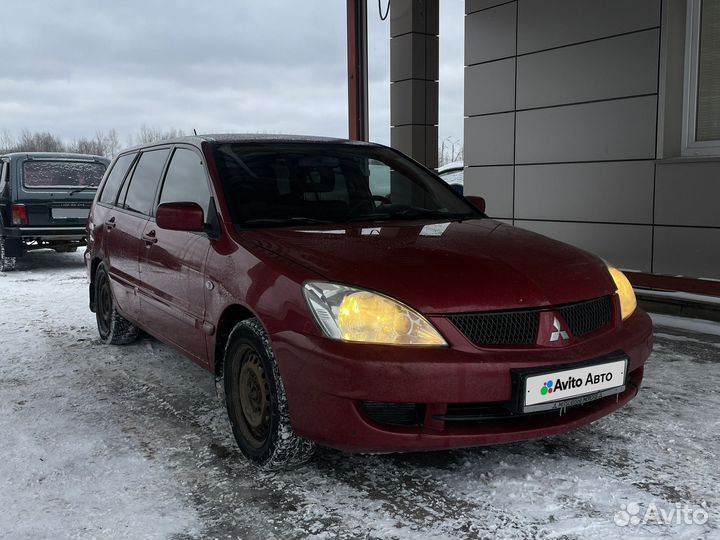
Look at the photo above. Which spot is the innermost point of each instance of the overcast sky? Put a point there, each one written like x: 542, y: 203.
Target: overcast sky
x: 72, y: 67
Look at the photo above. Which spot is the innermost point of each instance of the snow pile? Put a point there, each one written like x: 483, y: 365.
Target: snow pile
x: 130, y: 442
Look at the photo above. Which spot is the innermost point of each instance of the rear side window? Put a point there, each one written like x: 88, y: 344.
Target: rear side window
x: 62, y: 174
x: 115, y: 178
x: 186, y: 180
x: 4, y: 183
x: 145, y: 179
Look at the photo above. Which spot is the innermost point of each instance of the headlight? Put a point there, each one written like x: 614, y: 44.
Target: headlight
x: 350, y: 314
x: 628, y: 302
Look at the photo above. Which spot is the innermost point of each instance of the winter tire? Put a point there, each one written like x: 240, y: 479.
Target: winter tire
x: 114, y: 329
x: 256, y: 401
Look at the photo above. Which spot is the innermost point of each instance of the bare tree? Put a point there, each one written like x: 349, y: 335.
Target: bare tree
x: 112, y: 143
x: 39, y: 142
x: 7, y: 141
x: 84, y: 145
x: 30, y: 142
x: 450, y: 150
x: 148, y: 134
x: 102, y: 144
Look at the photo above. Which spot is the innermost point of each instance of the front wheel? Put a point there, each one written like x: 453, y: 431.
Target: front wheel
x: 7, y: 264
x: 114, y: 329
x: 256, y: 402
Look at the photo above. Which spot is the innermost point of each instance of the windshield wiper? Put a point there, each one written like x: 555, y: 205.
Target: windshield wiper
x: 285, y: 221
x: 423, y: 212
x: 410, y: 213
x: 78, y: 190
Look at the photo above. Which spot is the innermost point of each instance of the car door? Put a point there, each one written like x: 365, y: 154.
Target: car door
x: 172, y: 266
x: 125, y: 224
x: 104, y: 233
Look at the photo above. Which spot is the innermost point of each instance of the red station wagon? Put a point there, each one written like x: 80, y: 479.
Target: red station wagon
x: 344, y: 295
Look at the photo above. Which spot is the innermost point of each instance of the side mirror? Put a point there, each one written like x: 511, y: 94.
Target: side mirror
x: 180, y: 216
x: 477, y: 202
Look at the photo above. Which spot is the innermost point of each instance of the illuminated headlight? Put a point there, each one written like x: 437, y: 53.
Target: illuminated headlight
x: 628, y: 302
x: 349, y: 314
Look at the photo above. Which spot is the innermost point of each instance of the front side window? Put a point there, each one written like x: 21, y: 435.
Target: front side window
x: 144, y: 182
x: 701, y: 127
x: 62, y: 174
x: 283, y: 184
x: 115, y: 178
x: 186, y: 180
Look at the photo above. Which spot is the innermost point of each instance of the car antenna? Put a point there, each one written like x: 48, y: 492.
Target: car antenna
x: 195, y: 131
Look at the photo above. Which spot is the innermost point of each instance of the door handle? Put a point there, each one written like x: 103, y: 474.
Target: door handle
x: 110, y: 223
x: 150, y: 238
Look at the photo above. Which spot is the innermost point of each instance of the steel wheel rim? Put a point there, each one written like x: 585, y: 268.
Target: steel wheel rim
x: 254, y: 399
x: 104, y: 306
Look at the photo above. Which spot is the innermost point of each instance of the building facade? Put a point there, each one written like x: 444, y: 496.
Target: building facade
x: 597, y: 122
x: 575, y: 118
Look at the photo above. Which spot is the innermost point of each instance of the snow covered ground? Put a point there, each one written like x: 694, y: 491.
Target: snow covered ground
x: 130, y: 442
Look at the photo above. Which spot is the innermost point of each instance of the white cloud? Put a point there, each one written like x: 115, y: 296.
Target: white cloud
x: 74, y: 66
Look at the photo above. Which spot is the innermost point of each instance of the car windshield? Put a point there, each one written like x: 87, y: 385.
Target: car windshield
x: 63, y: 174
x: 270, y: 185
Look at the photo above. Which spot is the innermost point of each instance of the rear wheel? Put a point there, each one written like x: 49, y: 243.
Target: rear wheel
x: 256, y: 402
x: 114, y: 329
x: 7, y: 264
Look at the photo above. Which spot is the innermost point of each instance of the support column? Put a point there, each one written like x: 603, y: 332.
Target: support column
x: 357, y: 70
x: 414, y: 74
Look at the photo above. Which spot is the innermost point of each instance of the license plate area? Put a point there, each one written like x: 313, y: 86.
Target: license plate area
x: 70, y: 213
x: 557, y: 387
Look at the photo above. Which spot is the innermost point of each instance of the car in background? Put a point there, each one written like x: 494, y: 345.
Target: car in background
x: 45, y: 200
x: 343, y: 295
x: 453, y: 174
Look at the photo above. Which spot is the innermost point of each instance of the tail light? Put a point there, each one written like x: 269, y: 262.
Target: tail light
x: 19, y: 214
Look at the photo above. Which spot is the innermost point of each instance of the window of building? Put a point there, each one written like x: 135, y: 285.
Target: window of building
x: 701, y: 127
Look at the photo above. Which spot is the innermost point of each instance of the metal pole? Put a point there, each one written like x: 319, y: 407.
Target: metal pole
x: 357, y: 70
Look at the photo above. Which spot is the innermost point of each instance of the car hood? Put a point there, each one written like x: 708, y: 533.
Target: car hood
x: 474, y: 265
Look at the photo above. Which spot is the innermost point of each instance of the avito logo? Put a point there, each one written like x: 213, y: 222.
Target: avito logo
x: 574, y: 382
x: 547, y: 388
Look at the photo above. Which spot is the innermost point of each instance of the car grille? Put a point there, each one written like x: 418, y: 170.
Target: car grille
x: 394, y: 414
x: 521, y: 327
x: 586, y: 317
x: 500, y: 328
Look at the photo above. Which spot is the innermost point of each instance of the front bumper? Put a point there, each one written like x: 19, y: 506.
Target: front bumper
x: 327, y: 382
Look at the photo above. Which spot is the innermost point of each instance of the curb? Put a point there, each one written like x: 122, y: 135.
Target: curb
x: 692, y: 308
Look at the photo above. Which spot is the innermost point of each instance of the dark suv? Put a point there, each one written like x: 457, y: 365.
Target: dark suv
x: 45, y: 199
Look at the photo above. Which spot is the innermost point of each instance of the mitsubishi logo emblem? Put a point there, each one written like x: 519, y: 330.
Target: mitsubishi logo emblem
x: 559, y: 333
